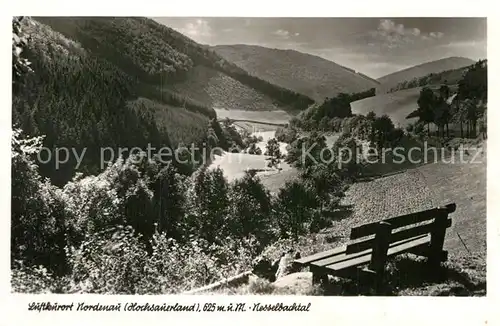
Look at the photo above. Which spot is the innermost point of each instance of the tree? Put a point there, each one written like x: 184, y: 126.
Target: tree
x: 20, y: 65
x: 273, y: 148
x: 250, y: 212
x: 274, y: 153
x: 442, y: 113
x: 207, y: 204
x: 382, y: 128
x: 442, y: 116
x: 326, y: 182
x: 307, y: 151
x: 459, y: 114
x: 37, y: 210
x: 169, y: 201
x: 254, y: 150
x: 474, y: 84
x: 483, y: 124
x: 293, y: 208
x: 426, y: 103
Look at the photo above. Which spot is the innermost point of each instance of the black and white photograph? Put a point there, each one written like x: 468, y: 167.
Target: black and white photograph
x: 263, y: 156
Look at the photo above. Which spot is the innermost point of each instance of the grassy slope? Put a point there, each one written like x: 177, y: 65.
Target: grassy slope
x: 391, y: 80
x: 425, y: 187
x: 306, y: 74
x: 396, y: 105
x: 448, y: 77
x: 182, y: 126
x: 218, y: 90
x: 277, y: 116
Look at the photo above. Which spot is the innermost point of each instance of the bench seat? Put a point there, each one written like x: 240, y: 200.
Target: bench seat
x: 344, y: 261
x: 337, y: 259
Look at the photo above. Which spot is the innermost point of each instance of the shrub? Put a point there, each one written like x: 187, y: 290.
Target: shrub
x: 207, y: 203
x: 36, y: 279
x: 286, y: 135
x: 293, y: 208
x: 174, y: 268
x: 37, y: 222
x: 250, y: 209
x: 108, y: 262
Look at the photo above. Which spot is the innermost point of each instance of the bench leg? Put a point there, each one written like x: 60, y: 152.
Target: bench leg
x: 438, y: 234
x: 318, y: 276
x: 379, y: 254
x: 436, y: 255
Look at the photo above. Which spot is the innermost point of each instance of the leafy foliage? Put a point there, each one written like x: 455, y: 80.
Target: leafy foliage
x: 37, y: 219
x: 467, y: 106
x: 294, y: 208
x: 250, y: 209
x: 329, y: 114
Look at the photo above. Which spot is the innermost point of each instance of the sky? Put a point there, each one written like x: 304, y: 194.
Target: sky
x: 373, y: 46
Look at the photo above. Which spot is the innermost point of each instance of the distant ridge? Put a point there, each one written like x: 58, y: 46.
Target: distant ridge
x: 303, y: 73
x: 391, y: 80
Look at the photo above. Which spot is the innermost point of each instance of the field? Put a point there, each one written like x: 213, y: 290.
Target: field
x: 275, y: 117
x: 396, y: 105
x: 425, y: 187
x: 216, y: 89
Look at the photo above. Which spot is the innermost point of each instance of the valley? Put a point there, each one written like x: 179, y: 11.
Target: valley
x: 142, y: 225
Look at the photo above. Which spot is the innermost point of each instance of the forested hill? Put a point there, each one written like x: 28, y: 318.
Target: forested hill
x: 392, y: 80
x: 161, y: 56
x: 304, y: 73
x: 126, y: 82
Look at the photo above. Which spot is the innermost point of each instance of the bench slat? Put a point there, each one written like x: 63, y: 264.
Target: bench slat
x: 320, y: 255
x: 395, y: 237
x: 403, y: 247
x: 344, y: 256
x: 400, y: 221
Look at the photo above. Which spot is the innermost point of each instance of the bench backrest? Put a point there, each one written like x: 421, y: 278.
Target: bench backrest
x: 404, y: 221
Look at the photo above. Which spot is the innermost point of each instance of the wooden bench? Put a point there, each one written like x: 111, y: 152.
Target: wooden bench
x: 371, y: 245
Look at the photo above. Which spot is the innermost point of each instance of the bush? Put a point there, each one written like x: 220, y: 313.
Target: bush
x: 109, y: 262
x: 37, y: 219
x: 286, y: 135
x: 207, y: 204
x: 36, y: 279
x: 250, y: 209
x: 294, y: 208
x: 174, y: 268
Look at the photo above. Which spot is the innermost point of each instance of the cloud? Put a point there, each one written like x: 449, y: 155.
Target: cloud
x: 464, y: 44
x: 282, y: 33
x: 436, y: 34
x: 392, y: 35
x: 199, y: 29
x: 387, y: 26
x: 297, y: 34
